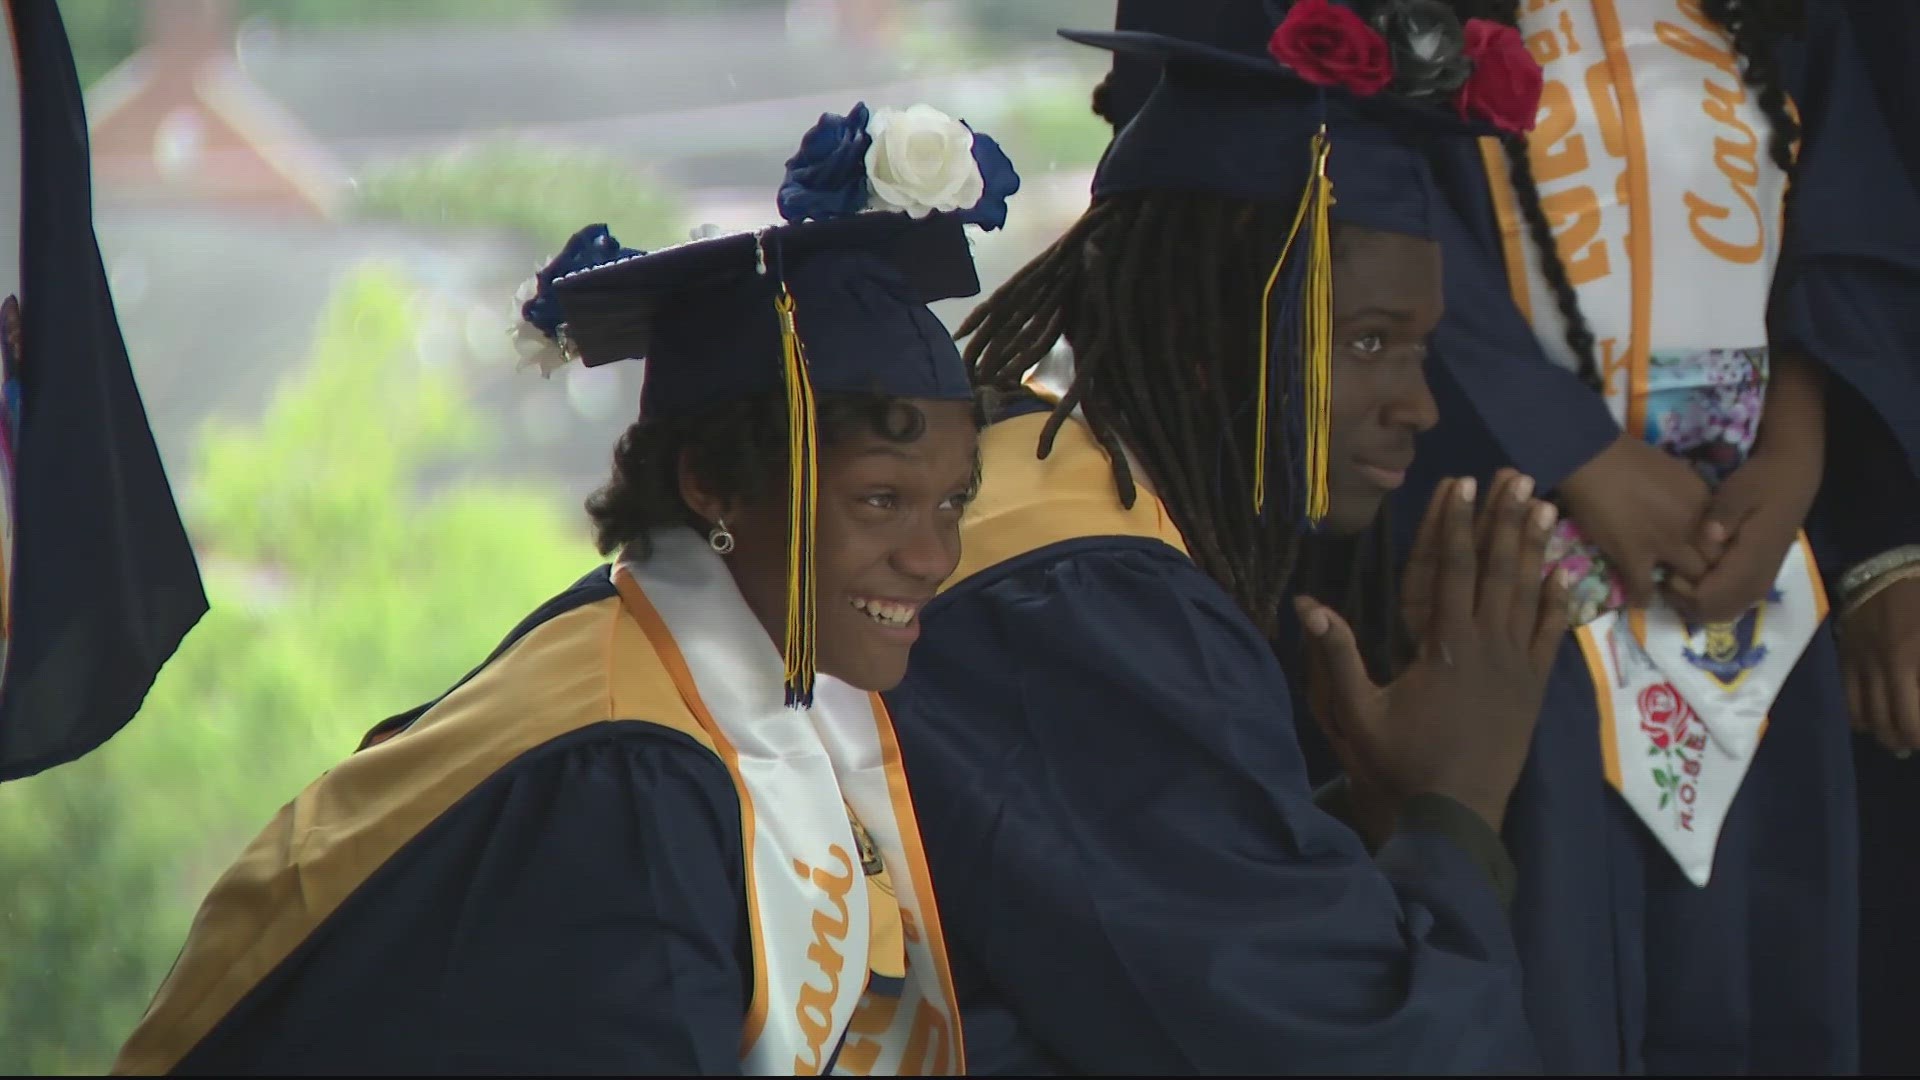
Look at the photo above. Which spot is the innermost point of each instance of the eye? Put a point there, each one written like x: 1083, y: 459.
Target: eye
x: 882, y: 500
x: 1369, y: 344
x: 958, y: 501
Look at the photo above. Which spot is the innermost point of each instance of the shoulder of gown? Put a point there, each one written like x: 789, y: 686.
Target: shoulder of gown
x: 1129, y: 860
x: 582, y: 910
x: 1849, y: 271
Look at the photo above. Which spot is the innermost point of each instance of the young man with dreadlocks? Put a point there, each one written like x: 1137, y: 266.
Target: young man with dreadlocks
x: 1133, y: 874
x: 1694, y: 350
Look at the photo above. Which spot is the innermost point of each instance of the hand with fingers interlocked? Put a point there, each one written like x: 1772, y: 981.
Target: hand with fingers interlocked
x: 1459, y: 719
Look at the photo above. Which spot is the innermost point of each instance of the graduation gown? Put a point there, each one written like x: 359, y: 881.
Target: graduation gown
x: 1132, y: 872
x: 558, y: 867
x: 1632, y: 968
x: 1858, y: 296
x: 99, y: 585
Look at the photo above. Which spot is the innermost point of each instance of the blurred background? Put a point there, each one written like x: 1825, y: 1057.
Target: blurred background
x: 314, y: 214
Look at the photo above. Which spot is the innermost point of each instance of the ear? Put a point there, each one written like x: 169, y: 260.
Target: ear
x: 702, y: 500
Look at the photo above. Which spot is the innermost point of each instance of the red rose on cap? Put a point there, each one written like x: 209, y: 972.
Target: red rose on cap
x: 1504, y: 89
x: 1329, y: 45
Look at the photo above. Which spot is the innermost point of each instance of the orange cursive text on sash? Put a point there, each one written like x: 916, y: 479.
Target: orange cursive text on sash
x: 815, y: 1010
x: 869, y: 1025
x: 1735, y: 155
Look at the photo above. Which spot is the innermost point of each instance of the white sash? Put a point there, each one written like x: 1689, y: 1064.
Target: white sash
x: 1650, y: 156
x: 799, y: 773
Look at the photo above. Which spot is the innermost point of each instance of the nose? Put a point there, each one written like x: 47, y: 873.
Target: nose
x: 1409, y: 401
x: 929, y: 549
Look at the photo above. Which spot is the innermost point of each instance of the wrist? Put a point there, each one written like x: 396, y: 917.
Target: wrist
x: 1875, y: 576
x: 1575, y: 485
x: 1488, y: 807
x: 1793, y: 418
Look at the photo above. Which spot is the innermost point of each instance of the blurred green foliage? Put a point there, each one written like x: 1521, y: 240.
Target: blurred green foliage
x: 543, y: 192
x: 1051, y: 125
x: 341, y: 593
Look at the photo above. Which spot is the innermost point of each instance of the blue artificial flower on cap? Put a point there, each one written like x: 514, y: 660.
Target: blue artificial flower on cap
x: 827, y: 176
x: 539, y: 331
x: 916, y: 161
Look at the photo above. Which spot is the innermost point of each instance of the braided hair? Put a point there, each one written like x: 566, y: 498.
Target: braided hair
x: 1757, y: 27
x: 1159, y: 294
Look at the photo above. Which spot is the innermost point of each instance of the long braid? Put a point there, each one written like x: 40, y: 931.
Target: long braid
x: 1579, y: 335
x: 1756, y: 28
x: 1158, y: 295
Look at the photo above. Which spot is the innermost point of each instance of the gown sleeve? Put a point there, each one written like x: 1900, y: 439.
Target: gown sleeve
x: 1869, y: 502
x: 1849, y: 275
x: 1126, y: 848
x: 1847, y: 293
x: 583, y: 911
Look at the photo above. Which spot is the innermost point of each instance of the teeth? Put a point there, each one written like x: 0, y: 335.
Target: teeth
x: 885, y: 612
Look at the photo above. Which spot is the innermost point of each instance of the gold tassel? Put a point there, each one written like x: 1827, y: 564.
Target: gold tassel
x: 1316, y: 338
x: 1317, y: 331
x: 802, y: 498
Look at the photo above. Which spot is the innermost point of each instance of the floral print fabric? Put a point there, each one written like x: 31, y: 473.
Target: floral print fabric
x: 1703, y: 407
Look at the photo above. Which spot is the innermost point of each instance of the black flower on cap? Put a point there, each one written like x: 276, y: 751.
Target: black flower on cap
x: 1429, y: 61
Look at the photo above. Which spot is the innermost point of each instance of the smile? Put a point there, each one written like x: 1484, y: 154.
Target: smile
x: 895, y: 614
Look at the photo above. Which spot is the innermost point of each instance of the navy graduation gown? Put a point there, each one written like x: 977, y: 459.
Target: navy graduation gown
x: 1858, y: 296
x: 588, y: 921
x: 579, y: 910
x: 1886, y: 35
x: 1132, y: 874
x: 104, y: 583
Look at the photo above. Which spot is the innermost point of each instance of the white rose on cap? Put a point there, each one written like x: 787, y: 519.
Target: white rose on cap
x: 921, y: 160
x: 535, y: 349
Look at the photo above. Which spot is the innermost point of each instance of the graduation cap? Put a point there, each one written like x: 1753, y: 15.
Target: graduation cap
x: 834, y: 301
x: 1253, y: 106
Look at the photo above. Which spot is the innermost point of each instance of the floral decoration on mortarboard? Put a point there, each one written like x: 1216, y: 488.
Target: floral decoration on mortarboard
x: 868, y: 161
x: 916, y: 161
x: 539, y: 334
x: 1417, y: 49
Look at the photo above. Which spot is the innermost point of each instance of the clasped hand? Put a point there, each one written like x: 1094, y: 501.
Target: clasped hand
x: 1458, y: 720
x: 1721, y: 548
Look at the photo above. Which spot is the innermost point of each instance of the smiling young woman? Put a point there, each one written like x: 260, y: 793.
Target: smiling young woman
x: 664, y: 828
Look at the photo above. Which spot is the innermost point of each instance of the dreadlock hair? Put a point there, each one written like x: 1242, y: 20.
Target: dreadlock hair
x: 739, y: 450
x: 1757, y: 27
x: 1158, y: 295
x: 1103, y: 99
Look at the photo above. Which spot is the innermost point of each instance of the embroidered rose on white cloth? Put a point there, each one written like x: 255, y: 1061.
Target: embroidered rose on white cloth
x: 921, y: 160
x: 1665, y: 718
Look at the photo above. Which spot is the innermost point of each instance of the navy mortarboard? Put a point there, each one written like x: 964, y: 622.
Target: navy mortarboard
x: 834, y: 301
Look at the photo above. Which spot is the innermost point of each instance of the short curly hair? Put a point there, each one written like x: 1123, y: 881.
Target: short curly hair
x: 739, y: 450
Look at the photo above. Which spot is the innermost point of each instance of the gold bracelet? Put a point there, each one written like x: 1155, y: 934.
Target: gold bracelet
x: 1867, y: 572
x: 1859, y: 596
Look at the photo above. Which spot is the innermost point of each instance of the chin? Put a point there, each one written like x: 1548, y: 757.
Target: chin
x: 872, y: 673
x: 1350, y: 514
